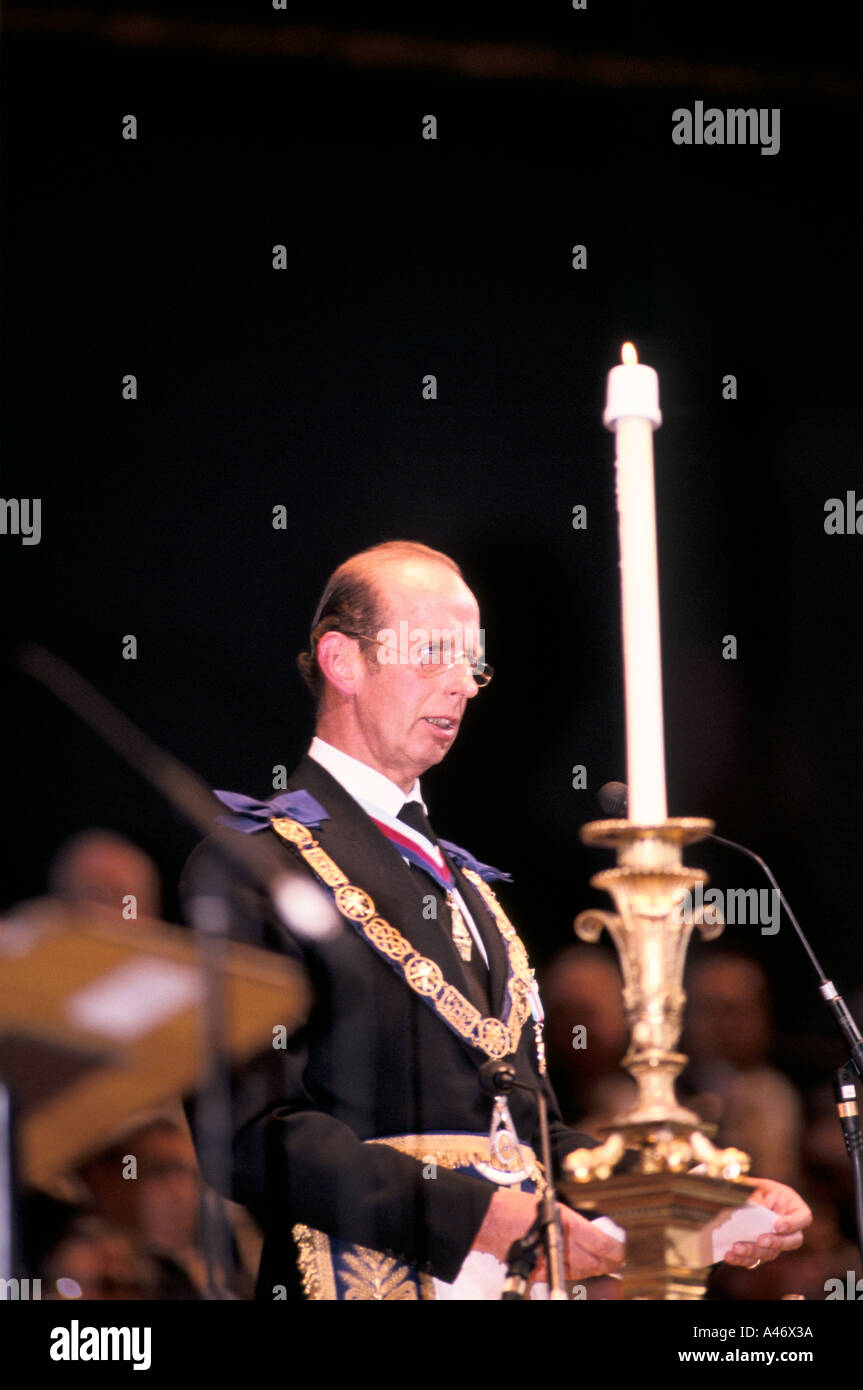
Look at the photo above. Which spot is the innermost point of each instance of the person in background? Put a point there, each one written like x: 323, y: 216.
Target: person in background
x: 728, y: 1035
x: 99, y: 866
x: 586, y: 1036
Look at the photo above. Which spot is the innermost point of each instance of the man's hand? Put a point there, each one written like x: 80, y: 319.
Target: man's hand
x: 793, y: 1218
x: 587, y: 1251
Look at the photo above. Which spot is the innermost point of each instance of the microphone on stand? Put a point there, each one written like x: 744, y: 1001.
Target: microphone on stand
x: 613, y: 799
x: 520, y: 1264
x: 845, y: 1091
x: 499, y: 1078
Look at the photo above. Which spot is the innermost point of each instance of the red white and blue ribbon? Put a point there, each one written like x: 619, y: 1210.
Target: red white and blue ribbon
x: 412, y: 845
x: 250, y: 815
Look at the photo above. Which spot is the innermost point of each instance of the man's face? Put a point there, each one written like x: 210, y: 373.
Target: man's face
x: 396, y: 701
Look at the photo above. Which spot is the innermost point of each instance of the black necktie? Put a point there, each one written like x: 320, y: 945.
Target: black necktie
x: 413, y: 815
x: 475, y: 970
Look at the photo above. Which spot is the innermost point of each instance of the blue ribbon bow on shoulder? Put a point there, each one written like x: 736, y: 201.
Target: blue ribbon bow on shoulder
x: 251, y: 815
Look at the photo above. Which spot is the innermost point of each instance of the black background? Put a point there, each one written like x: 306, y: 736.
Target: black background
x: 303, y: 388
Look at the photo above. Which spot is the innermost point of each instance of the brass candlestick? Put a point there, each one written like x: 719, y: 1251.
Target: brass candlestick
x: 666, y: 1210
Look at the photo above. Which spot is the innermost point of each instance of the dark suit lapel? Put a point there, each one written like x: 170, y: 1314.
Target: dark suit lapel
x: 371, y: 862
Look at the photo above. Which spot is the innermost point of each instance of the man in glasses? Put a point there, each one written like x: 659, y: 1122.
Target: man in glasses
x: 395, y: 656
x: 377, y: 1164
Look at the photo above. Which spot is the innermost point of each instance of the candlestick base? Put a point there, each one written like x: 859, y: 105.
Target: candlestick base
x: 669, y: 1220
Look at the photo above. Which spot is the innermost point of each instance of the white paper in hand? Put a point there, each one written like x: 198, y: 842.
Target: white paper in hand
x: 713, y: 1241
x: 611, y: 1228
x: 743, y: 1223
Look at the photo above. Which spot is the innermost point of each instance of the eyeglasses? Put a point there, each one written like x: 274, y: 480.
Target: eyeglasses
x: 433, y: 658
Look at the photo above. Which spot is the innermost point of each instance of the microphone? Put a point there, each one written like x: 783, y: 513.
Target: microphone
x: 613, y: 798
x: 520, y: 1263
x: 499, y: 1078
x: 845, y: 1091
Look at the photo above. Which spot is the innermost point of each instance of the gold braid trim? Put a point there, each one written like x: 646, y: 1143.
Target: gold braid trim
x: 369, y: 1275
x: 493, y: 1037
x: 315, y: 1265
x: 372, y: 1275
x: 461, y: 1151
x: 521, y: 975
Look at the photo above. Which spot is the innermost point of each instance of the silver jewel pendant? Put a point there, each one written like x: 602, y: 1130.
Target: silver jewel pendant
x: 502, y: 1138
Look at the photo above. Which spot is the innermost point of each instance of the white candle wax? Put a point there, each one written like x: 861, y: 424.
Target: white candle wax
x: 632, y: 411
x: 633, y: 390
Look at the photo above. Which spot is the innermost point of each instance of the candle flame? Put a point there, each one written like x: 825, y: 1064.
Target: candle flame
x: 628, y: 355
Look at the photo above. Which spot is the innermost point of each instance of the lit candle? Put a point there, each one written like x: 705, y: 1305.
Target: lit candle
x: 632, y: 411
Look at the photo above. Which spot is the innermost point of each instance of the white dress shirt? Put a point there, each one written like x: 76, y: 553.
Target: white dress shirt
x: 375, y: 792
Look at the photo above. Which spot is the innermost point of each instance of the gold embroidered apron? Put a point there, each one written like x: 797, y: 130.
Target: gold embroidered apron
x: 339, y: 1271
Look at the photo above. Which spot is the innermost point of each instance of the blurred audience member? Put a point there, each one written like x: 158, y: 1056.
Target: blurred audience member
x: 586, y: 1036
x: 95, y: 1260
x: 160, y: 1206
x: 129, y: 1218
x: 98, y: 866
x: 728, y: 1037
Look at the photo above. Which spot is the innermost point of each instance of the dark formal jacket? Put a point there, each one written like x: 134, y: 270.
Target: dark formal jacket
x: 374, y: 1061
